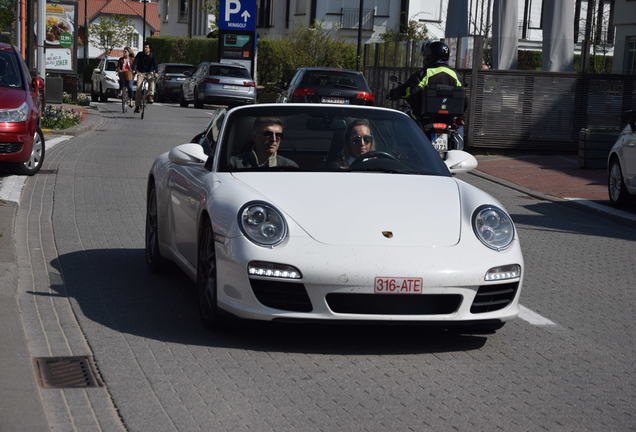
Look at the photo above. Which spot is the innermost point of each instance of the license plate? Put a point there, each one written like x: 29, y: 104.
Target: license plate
x: 441, y: 143
x: 396, y: 285
x: 180, y: 79
x: 230, y: 87
x: 333, y: 100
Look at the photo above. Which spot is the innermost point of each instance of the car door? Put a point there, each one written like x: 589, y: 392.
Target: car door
x: 192, y: 83
x: 97, y: 74
x: 186, y: 186
x: 629, y: 153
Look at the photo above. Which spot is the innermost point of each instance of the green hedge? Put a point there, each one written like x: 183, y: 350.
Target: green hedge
x: 533, y: 60
x: 184, y: 50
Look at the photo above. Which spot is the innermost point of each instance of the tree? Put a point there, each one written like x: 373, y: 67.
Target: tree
x: 7, y: 18
x: 415, y: 31
x: 110, y: 32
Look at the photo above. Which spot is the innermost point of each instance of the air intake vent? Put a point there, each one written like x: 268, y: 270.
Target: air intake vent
x: 494, y: 297
x: 66, y: 372
x: 291, y: 296
x: 394, y: 304
x: 10, y: 147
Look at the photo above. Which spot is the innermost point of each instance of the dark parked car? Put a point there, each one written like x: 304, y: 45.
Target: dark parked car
x: 325, y: 85
x: 21, y: 140
x: 218, y: 84
x: 171, y: 76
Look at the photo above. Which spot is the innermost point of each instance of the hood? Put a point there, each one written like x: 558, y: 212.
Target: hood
x: 11, y: 98
x: 355, y: 208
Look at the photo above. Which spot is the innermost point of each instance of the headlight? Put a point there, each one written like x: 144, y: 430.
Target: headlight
x: 262, y: 223
x: 15, y: 115
x: 493, y: 227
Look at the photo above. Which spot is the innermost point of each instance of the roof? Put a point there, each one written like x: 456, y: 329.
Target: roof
x: 120, y: 7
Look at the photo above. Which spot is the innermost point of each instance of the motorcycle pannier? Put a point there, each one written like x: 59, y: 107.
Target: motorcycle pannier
x: 442, y: 99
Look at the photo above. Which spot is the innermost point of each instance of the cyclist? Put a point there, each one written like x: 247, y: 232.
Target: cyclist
x: 125, y: 71
x: 146, y: 67
x: 435, y: 71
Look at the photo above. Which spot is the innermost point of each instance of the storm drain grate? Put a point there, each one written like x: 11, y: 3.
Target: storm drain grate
x: 66, y: 372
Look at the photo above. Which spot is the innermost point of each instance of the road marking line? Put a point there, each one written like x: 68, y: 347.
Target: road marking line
x: 11, y: 186
x: 604, y: 208
x: 534, y: 318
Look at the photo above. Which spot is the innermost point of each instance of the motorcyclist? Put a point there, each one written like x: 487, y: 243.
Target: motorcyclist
x: 435, y: 71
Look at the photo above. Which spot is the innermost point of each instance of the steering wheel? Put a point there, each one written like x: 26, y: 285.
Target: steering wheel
x: 371, y: 155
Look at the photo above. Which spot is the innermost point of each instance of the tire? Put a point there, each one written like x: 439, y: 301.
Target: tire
x: 182, y: 101
x: 154, y: 260
x: 102, y: 96
x: 616, y: 189
x: 197, y: 103
x: 206, y: 285
x: 36, y: 159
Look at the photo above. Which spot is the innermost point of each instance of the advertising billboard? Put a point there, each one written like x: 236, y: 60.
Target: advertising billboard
x: 61, y: 37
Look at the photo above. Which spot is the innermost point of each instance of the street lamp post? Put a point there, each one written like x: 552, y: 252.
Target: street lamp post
x: 143, y: 37
x: 359, y: 35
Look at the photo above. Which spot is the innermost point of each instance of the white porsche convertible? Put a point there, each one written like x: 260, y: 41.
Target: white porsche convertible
x: 324, y: 212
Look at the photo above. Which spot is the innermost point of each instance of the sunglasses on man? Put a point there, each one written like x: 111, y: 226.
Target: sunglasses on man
x: 368, y: 139
x: 272, y: 134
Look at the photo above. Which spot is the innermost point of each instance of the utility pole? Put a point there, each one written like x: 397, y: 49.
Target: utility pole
x: 41, y: 23
x: 85, y: 45
x: 358, y: 53
x: 143, y: 37
x: 18, y: 25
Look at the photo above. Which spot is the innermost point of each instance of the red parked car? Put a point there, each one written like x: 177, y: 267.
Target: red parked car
x: 21, y: 140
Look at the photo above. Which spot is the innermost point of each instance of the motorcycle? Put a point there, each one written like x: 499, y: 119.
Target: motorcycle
x: 440, y: 121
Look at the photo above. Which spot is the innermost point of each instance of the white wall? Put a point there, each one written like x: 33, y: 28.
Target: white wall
x: 173, y: 26
x: 137, y: 23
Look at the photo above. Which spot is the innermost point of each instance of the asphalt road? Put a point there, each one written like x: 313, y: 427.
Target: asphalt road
x: 84, y: 290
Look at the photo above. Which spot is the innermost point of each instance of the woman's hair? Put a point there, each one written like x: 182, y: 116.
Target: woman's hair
x: 130, y: 51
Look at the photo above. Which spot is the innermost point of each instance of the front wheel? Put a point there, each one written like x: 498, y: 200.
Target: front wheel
x: 616, y: 188
x: 182, y: 101
x: 206, y: 286
x: 36, y: 158
x: 154, y: 260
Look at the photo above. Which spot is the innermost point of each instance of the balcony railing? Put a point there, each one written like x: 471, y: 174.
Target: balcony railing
x: 349, y: 18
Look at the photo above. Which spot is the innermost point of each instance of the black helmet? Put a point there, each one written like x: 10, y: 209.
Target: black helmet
x: 435, y: 51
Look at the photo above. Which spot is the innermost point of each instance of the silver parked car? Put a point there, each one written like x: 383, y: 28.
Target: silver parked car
x: 218, y: 84
x: 621, y: 163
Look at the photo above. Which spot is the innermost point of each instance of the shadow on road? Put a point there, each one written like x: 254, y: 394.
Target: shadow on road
x: 571, y: 218
x: 114, y: 289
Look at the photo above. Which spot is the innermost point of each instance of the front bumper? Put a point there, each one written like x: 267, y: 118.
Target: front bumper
x: 338, y: 284
x: 16, y: 142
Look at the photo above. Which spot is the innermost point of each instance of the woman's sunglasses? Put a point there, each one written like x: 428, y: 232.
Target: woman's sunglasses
x: 368, y: 139
x: 271, y: 134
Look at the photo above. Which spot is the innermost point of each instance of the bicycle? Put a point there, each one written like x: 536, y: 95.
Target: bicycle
x: 144, y: 88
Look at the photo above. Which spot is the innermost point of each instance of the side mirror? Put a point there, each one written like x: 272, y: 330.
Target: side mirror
x: 187, y: 73
x: 459, y: 161
x: 188, y: 154
x: 38, y: 83
x: 97, y: 71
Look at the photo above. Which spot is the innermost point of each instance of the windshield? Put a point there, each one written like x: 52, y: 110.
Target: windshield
x: 178, y: 69
x: 326, y: 139
x: 319, y: 78
x: 228, y: 71
x: 9, y: 70
x: 111, y: 65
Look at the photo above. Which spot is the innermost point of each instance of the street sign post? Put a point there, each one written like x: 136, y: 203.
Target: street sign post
x: 237, y: 33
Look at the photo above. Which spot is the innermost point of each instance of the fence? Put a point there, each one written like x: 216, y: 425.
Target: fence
x: 526, y: 110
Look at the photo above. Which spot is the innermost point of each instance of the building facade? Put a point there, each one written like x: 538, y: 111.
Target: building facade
x: 184, y: 18
x: 625, y: 38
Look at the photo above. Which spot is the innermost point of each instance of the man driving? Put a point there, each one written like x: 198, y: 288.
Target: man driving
x: 266, y: 138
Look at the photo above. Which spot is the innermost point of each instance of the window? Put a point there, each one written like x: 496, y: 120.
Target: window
x: 264, y: 14
x: 183, y: 10
x: 629, y: 62
x: 166, y: 7
x: 133, y: 40
x: 301, y: 7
